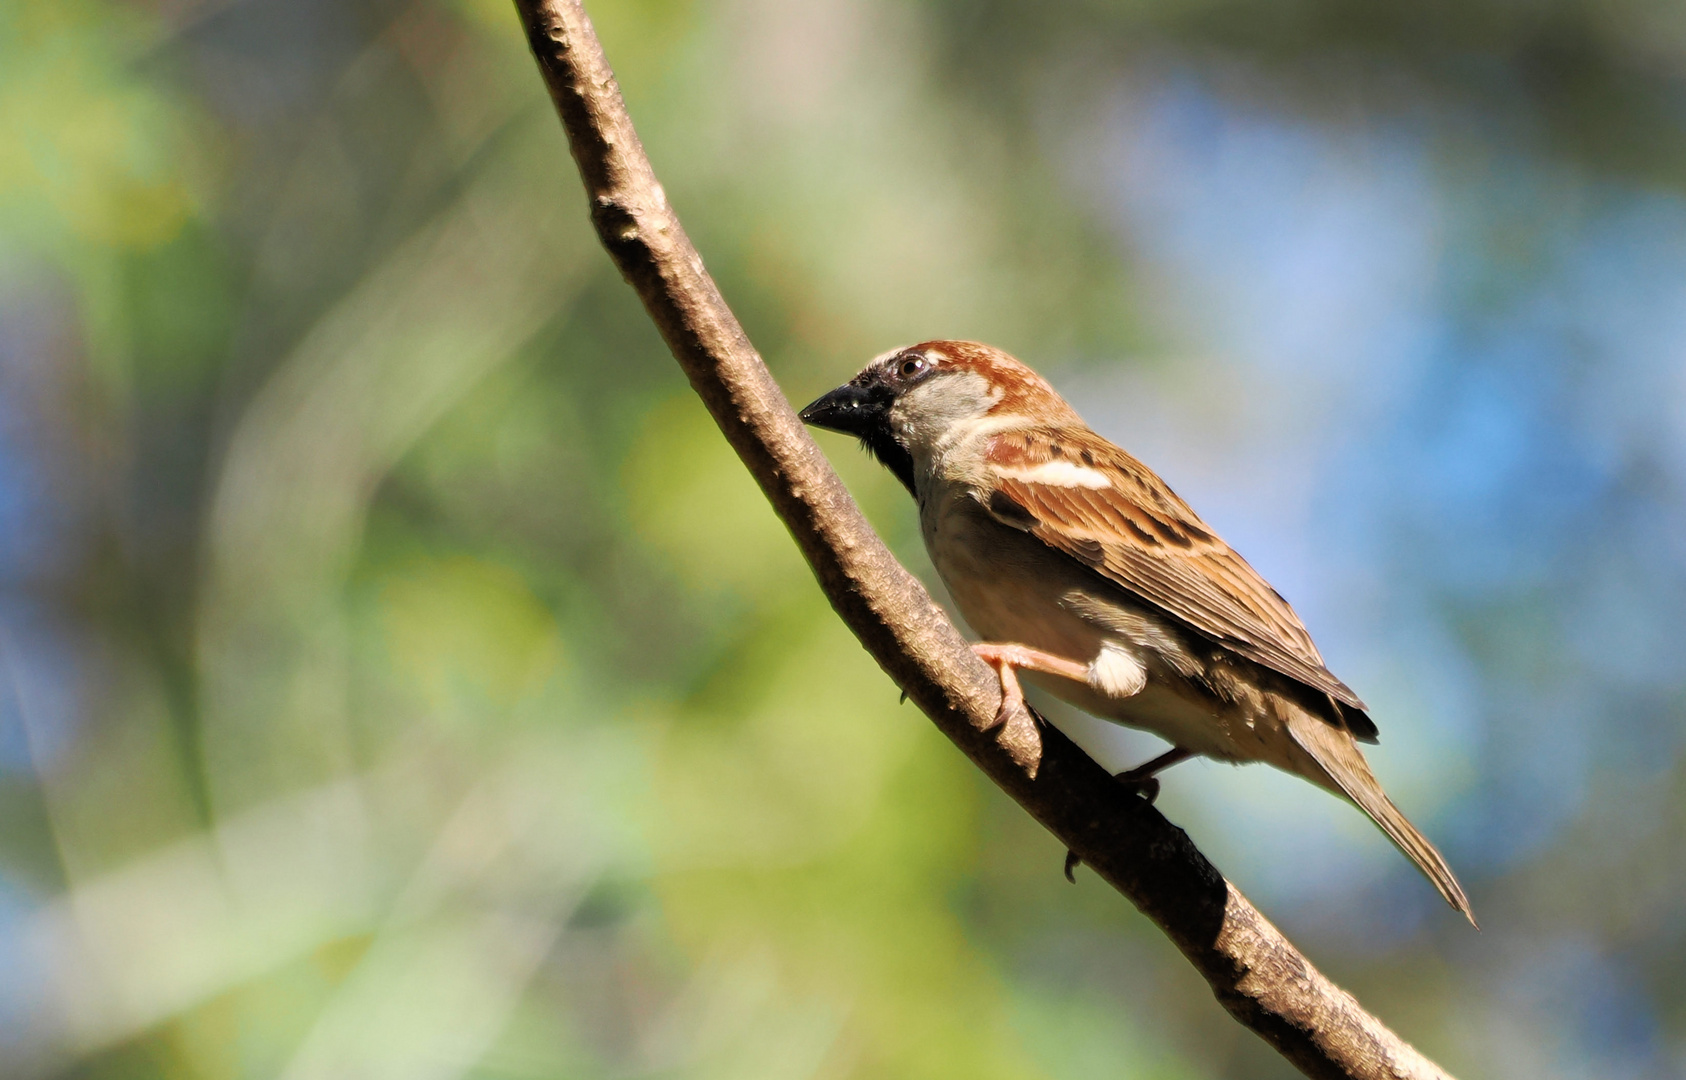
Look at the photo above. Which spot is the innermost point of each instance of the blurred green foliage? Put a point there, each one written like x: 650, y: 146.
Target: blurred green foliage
x: 399, y: 676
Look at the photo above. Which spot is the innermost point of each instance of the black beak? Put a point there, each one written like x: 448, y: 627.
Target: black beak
x: 861, y: 407
x: 854, y: 409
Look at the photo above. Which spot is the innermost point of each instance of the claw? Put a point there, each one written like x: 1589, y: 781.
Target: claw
x: 1072, y: 862
x: 1012, y: 695
x: 1015, y: 718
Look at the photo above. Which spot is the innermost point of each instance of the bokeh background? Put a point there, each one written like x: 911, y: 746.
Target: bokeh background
x: 400, y: 679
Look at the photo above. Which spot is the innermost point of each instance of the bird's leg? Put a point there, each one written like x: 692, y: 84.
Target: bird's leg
x: 1007, y: 659
x: 1143, y: 779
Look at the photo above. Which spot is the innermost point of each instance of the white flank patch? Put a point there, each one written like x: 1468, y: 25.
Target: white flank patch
x: 1117, y: 672
x: 1060, y: 474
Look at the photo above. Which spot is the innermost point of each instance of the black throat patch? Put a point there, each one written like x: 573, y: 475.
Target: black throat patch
x: 883, y: 446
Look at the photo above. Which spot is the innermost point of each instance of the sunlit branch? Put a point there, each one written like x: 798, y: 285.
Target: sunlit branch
x: 1254, y: 970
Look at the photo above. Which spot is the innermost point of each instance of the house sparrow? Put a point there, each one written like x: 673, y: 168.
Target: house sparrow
x: 1084, y: 571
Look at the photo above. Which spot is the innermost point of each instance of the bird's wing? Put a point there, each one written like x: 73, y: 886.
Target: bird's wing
x: 1085, y: 497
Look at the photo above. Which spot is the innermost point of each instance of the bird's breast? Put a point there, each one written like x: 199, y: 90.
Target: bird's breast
x: 1006, y: 583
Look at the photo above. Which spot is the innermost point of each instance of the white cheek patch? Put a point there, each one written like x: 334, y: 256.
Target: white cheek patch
x: 940, y: 408
x: 1061, y: 474
x: 1117, y: 672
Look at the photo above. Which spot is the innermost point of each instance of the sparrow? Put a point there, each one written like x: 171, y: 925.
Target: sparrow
x: 1084, y: 572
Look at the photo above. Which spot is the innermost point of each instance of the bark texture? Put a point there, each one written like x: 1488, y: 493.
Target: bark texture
x: 1255, y: 972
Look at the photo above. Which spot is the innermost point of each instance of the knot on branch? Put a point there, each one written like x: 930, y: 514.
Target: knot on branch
x: 620, y: 230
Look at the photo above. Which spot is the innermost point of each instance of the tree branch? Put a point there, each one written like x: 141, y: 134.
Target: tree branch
x: 1256, y: 973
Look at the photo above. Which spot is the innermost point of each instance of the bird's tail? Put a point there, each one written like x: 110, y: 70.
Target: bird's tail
x: 1349, y: 774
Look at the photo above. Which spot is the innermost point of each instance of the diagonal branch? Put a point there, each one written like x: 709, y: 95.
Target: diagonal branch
x: 1256, y: 973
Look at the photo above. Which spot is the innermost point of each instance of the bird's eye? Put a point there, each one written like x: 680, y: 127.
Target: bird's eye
x: 912, y: 366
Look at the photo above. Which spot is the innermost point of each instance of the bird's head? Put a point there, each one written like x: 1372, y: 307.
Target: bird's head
x: 910, y: 403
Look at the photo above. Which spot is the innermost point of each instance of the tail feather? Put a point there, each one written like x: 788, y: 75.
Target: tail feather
x: 1347, y: 773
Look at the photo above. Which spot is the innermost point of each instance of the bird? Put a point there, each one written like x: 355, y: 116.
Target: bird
x: 1082, y: 571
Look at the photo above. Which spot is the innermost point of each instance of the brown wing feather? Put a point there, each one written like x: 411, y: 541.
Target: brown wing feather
x: 1139, y: 534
